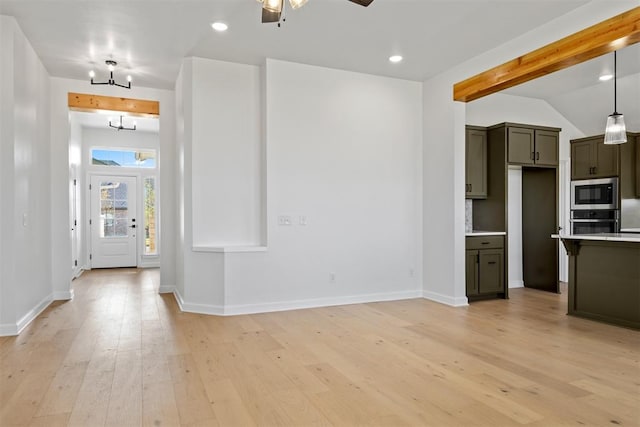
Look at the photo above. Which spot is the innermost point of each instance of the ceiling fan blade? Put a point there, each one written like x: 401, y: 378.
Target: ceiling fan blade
x: 268, y: 16
x: 364, y: 3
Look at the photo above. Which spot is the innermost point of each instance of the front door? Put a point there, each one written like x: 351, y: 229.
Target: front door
x: 113, y: 221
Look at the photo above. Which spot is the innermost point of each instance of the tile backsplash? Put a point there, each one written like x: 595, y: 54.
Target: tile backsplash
x: 468, y: 215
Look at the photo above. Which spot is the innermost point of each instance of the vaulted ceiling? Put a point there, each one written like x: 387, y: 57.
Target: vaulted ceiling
x: 149, y: 38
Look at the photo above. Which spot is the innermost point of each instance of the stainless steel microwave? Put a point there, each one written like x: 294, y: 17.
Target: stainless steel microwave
x: 594, y: 194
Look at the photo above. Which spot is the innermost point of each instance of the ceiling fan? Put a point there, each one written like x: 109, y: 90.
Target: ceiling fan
x: 272, y: 9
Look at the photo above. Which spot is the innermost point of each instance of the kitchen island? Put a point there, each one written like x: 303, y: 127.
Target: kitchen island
x: 604, y: 277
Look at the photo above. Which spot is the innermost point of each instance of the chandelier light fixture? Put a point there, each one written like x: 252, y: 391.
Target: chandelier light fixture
x: 272, y: 10
x: 616, y: 131
x: 120, y: 126
x: 111, y: 64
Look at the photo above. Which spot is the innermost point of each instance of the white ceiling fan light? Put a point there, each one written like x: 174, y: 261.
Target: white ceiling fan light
x: 297, y: 3
x: 395, y: 59
x: 277, y: 5
x: 274, y: 6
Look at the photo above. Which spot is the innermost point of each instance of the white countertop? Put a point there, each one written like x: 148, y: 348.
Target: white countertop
x: 485, y: 233
x: 609, y: 237
x: 630, y: 230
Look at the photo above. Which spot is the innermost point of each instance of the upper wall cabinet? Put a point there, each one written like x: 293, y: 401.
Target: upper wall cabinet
x: 530, y: 146
x: 476, y: 163
x: 591, y: 158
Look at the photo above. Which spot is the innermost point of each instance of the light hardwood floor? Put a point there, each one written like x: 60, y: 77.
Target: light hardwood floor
x: 119, y: 354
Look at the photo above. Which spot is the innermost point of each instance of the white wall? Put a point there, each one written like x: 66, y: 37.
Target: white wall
x: 107, y: 137
x: 444, y: 121
x: 499, y: 108
x: 25, y: 228
x: 343, y: 151
x: 200, y: 279
x: 78, y: 243
x: 226, y: 144
x: 60, y: 175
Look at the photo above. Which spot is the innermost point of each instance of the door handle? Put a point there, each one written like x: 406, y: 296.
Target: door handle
x: 132, y: 226
x: 491, y: 262
x: 538, y: 155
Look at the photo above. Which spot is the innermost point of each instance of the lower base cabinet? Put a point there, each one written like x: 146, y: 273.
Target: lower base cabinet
x: 485, y: 266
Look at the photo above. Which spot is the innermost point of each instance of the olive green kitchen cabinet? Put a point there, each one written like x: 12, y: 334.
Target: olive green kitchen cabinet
x: 476, y: 163
x: 591, y: 158
x: 485, y: 268
x: 531, y: 146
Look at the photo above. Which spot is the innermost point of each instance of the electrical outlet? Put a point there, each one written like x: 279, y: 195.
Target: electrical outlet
x: 284, y: 220
x: 302, y: 220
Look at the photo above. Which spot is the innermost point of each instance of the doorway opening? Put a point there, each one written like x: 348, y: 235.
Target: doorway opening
x: 114, y: 176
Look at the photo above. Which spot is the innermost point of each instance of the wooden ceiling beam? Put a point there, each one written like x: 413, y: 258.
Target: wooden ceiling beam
x: 93, y: 103
x: 609, y: 35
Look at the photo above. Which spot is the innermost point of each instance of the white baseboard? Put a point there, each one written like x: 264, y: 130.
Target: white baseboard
x: 516, y: 284
x: 149, y: 264
x: 445, y: 299
x: 9, y: 329
x: 34, y: 312
x: 63, y: 295
x: 77, y: 272
x: 166, y: 289
x: 318, y: 302
x: 231, y: 310
x: 197, y: 308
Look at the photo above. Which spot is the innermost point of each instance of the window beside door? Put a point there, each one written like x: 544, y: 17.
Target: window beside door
x: 150, y: 218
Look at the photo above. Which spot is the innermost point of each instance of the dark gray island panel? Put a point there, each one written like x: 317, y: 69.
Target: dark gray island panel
x: 604, y: 278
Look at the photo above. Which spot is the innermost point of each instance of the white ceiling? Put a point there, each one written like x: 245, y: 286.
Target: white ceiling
x: 149, y: 38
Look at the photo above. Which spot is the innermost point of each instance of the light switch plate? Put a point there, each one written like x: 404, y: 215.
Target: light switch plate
x: 284, y: 220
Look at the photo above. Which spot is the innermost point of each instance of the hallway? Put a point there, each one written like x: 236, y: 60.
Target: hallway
x: 120, y: 354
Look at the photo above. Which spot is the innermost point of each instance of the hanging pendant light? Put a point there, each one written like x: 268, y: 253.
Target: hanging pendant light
x: 120, y: 126
x: 616, y: 131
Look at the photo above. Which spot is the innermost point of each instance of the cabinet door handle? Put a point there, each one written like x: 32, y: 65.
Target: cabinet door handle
x: 491, y: 262
x: 595, y: 170
x: 470, y: 187
x: 538, y: 155
x: 484, y: 243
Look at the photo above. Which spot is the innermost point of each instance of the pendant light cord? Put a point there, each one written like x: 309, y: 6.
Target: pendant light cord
x: 615, y: 85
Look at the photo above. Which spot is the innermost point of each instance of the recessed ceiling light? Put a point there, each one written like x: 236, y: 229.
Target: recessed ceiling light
x: 395, y: 58
x: 219, y: 26
x: 605, y: 77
